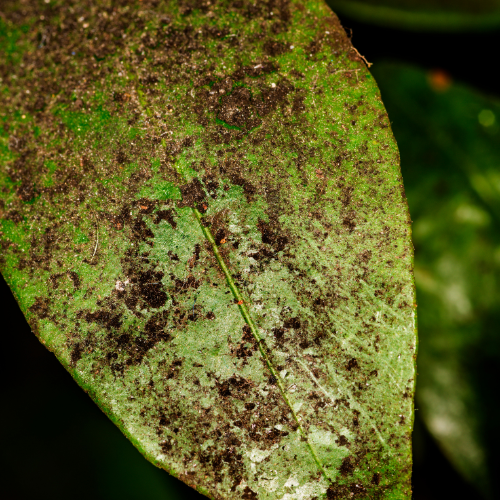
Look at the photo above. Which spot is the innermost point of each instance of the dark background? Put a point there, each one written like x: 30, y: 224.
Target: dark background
x: 58, y: 445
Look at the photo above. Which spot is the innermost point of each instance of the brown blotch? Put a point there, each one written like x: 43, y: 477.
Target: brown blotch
x: 365, y: 256
x: 26, y: 191
x: 275, y: 48
x: 347, y: 467
x: 349, y: 222
x: 192, y: 194
x: 40, y: 308
x: 14, y: 216
x: 352, y: 363
x: 235, y: 387
x: 342, y: 441
x: 249, y: 494
x: 150, y: 288
x: 146, y: 206
x: 271, y: 236
x: 141, y: 231
x: 76, y: 353
x: 167, y: 215
x: 237, y: 110
x: 104, y: 318
x: 73, y: 276
x: 292, y: 323
x: 121, y: 157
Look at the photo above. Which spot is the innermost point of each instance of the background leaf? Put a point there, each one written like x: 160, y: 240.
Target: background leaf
x: 449, y: 136
x: 117, y: 273
x: 423, y: 15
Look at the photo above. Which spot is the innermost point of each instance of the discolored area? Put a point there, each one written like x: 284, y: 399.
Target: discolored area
x: 203, y: 217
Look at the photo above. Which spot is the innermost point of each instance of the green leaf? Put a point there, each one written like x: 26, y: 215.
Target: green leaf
x: 208, y: 228
x: 424, y: 15
x: 449, y: 136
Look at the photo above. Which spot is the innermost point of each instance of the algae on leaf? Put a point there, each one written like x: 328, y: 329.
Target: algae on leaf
x: 203, y: 217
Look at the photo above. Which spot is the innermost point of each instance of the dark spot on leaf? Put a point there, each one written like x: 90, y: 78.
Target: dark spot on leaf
x: 26, y: 191
x: 75, y: 279
x: 192, y: 194
x: 237, y: 110
x: 150, y: 288
x: 166, y: 447
x: 141, y: 230
x: 14, y: 216
x: 355, y: 420
x: 146, y: 206
x: 104, y: 318
x: 292, y: 323
x: 275, y: 48
x: 121, y: 157
x: 349, y: 222
x: 167, y: 215
x: 249, y: 494
x: 236, y: 387
x: 352, y: 363
x: 342, y: 441
x: 346, y: 195
x: 279, y: 334
x: 347, y: 467
x: 40, y: 308
x: 182, y: 286
x: 271, y: 236
x: 365, y: 256
x: 220, y: 236
x: 76, y: 353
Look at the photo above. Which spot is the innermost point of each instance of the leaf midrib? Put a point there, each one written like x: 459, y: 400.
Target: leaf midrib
x: 248, y: 319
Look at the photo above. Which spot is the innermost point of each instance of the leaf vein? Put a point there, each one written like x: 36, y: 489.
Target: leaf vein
x: 248, y: 319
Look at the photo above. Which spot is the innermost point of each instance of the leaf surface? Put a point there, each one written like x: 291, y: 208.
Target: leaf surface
x: 449, y: 139
x: 203, y: 217
x: 424, y: 15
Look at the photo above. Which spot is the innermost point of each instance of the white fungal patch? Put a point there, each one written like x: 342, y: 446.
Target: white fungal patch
x: 120, y: 285
x: 257, y: 455
x: 292, y: 481
x: 306, y: 491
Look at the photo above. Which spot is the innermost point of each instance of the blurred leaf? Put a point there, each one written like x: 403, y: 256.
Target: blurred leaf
x: 449, y: 139
x: 423, y: 15
x: 202, y: 216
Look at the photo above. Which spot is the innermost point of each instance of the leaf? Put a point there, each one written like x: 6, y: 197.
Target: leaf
x: 423, y: 15
x: 449, y: 138
x: 203, y: 217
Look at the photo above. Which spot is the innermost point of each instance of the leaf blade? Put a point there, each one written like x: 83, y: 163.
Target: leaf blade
x: 155, y: 335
